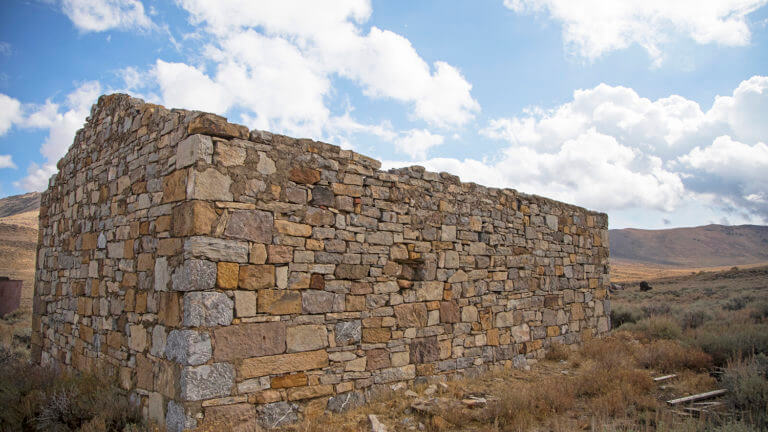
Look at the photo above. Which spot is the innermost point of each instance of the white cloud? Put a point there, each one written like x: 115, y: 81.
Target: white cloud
x: 6, y: 161
x: 62, y: 121
x: 102, y: 15
x: 611, y: 149
x: 10, y: 113
x: 5, y: 48
x: 417, y: 142
x: 592, y: 28
x: 275, y: 60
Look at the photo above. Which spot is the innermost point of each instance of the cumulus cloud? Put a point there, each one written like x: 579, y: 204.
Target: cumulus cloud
x: 102, y: 15
x: 61, y: 120
x: 6, y: 161
x: 611, y: 149
x: 592, y: 28
x: 276, y: 61
x: 10, y: 113
x: 417, y: 142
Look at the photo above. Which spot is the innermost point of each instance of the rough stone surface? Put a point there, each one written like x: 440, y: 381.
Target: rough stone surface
x: 207, y: 309
x: 306, y: 338
x: 249, y: 340
x: 252, y: 225
x: 343, y: 402
x: 348, y: 332
x: 277, y: 414
x: 163, y: 224
x: 188, y: 347
x: 195, y: 275
x: 207, y: 381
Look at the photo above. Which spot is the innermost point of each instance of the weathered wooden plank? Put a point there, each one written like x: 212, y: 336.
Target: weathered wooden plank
x: 665, y: 378
x: 696, y: 397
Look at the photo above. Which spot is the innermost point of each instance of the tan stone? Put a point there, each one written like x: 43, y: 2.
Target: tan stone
x: 284, y: 363
x: 304, y: 175
x: 209, y: 185
x: 169, y: 311
x: 429, y: 291
x: 376, y: 335
x: 258, y: 254
x: 256, y: 277
x: 175, y: 186
x: 245, y: 303
x: 278, y: 254
x: 292, y: 380
x: 169, y: 246
x: 138, y: 338
x: 306, y: 338
x: 248, y: 340
x: 279, y: 302
x: 239, y: 417
x: 193, y: 218
x: 213, y: 125
x: 309, y: 392
x: 293, y: 229
x: 377, y: 359
x: 252, y: 225
x: 411, y: 315
x: 227, y: 275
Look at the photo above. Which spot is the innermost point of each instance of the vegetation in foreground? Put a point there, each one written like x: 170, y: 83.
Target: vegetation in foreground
x: 36, y: 398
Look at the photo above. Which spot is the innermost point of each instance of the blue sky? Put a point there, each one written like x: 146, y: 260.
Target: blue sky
x: 652, y: 111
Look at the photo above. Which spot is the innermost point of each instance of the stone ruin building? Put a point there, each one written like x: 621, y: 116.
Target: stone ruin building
x: 223, y: 273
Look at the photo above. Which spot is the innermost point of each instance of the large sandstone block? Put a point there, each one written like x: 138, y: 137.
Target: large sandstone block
x: 279, y: 302
x: 411, y: 315
x: 255, y: 277
x: 284, y: 363
x: 306, y: 338
x: 210, y: 185
x: 429, y: 291
x: 193, y: 218
x: 249, y: 340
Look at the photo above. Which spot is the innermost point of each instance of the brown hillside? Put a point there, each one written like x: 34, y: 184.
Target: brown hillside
x: 704, y: 246
x: 18, y: 241
x: 16, y: 204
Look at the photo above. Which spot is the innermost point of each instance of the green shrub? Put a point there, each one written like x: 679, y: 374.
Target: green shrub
x: 621, y: 314
x: 759, y: 311
x: 736, y: 303
x: 747, y: 384
x: 725, y: 341
x: 656, y: 327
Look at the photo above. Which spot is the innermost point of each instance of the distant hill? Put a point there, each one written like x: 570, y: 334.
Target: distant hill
x: 704, y: 246
x: 18, y: 241
x: 16, y: 204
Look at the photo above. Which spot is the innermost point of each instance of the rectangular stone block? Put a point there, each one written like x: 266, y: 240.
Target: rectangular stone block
x: 306, y: 338
x: 255, y: 277
x: 284, y: 363
x: 249, y: 340
x: 279, y: 302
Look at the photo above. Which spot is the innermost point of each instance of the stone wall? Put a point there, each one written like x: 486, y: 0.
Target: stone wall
x: 224, y: 273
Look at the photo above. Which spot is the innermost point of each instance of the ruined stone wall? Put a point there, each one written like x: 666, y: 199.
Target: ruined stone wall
x: 221, y: 272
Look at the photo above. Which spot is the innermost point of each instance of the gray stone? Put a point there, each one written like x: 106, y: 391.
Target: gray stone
x: 322, y: 196
x: 266, y: 165
x: 207, y: 309
x: 277, y: 414
x: 306, y: 338
x: 316, y: 302
x: 552, y: 222
x: 101, y: 242
x: 345, y: 401
x: 162, y: 274
x: 209, y: 185
x: 192, y: 149
x: 158, y: 341
x: 176, y: 419
x: 424, y: 350
x: 254, y: 385
x: 253, y: 225
x: 348, y: 332
x: 504, y: 319
x: 207, y: 381
x: 188, y: 347
x: 194, y: 275
x: 395, y: 374
x: 216, y: 249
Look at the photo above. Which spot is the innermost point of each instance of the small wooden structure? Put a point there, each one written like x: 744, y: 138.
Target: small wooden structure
x: 10, y: 295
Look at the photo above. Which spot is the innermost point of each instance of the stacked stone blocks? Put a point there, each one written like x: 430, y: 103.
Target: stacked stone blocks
x: 223, y: 272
